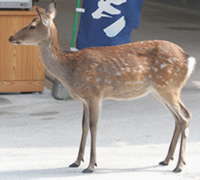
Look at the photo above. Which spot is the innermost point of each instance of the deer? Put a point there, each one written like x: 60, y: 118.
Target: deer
x: 120, y: 72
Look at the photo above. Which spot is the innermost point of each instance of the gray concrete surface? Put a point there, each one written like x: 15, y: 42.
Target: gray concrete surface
x: 187, y: 4
x: 39, y: 136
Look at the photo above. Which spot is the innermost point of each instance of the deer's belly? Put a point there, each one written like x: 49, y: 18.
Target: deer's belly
x: 127, y: 92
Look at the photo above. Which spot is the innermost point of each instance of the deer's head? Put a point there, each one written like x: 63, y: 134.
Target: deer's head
x: 38, y: 29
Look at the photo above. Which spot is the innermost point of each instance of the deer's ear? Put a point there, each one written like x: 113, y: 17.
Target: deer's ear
x: 52, y: 9
x: 44, y: 18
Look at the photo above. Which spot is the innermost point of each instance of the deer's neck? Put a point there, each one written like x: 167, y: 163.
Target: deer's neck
x: 54, y: 58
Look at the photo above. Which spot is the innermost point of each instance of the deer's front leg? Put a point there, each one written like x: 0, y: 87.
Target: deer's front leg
x: 85, y: 128
x: 94, y: 111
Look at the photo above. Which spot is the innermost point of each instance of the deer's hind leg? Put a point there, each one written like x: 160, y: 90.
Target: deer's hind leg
x: 185, y: 116
x: 174, y: 141
x: 182, y: 121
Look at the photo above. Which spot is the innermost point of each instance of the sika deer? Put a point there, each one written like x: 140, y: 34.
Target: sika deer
x: 119, y: 72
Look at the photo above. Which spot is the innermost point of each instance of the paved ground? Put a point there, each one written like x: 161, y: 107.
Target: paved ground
x: 39, y: 136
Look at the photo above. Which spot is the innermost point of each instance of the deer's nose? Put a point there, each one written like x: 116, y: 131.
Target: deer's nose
x: 10, y: 38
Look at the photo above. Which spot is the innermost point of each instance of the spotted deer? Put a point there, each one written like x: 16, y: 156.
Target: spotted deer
x: 118, y: 72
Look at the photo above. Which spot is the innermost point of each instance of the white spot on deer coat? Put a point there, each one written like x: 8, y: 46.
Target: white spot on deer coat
x: 119, y: 73
x: 98, y: 79
x: 88, y: 78
x: 155, y: 69
x: 171, y: 80
x: 107, y: 81
x: 150, y: 76
x: 162, y: 66
x: 134, y: 71
x: 169, y: 71
x: 169, y: 60
x: 126, y: 83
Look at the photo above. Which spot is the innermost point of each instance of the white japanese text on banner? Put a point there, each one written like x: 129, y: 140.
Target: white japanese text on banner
x: 108, y: 22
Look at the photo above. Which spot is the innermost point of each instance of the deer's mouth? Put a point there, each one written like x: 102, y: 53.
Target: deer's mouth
x: 16, y: 42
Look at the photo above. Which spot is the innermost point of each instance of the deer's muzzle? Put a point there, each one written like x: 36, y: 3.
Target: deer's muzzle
x: 13, y: 41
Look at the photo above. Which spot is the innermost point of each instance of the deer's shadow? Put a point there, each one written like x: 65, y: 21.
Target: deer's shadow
x: 69, y: 172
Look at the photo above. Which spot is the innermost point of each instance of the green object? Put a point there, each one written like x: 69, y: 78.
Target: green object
x: 75, y: 25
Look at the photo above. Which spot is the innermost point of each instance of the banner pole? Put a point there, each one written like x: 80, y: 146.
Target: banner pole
x: 72, y: 48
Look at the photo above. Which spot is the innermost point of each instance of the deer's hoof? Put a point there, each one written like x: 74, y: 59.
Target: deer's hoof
x: 177, y: 170
x: 163, y: 163
x: 88, y: 170
x: 74, y: 165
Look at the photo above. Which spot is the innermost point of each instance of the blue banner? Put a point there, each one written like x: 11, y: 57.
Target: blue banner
x: 108, y: 22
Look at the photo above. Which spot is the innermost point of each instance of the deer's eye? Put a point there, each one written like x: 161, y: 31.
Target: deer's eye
x: 32, y: 27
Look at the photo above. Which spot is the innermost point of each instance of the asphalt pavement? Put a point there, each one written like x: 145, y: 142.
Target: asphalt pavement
x: 40, y: 136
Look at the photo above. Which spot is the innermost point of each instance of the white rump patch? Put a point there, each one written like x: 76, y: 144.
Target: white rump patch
x: 191, y: 64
